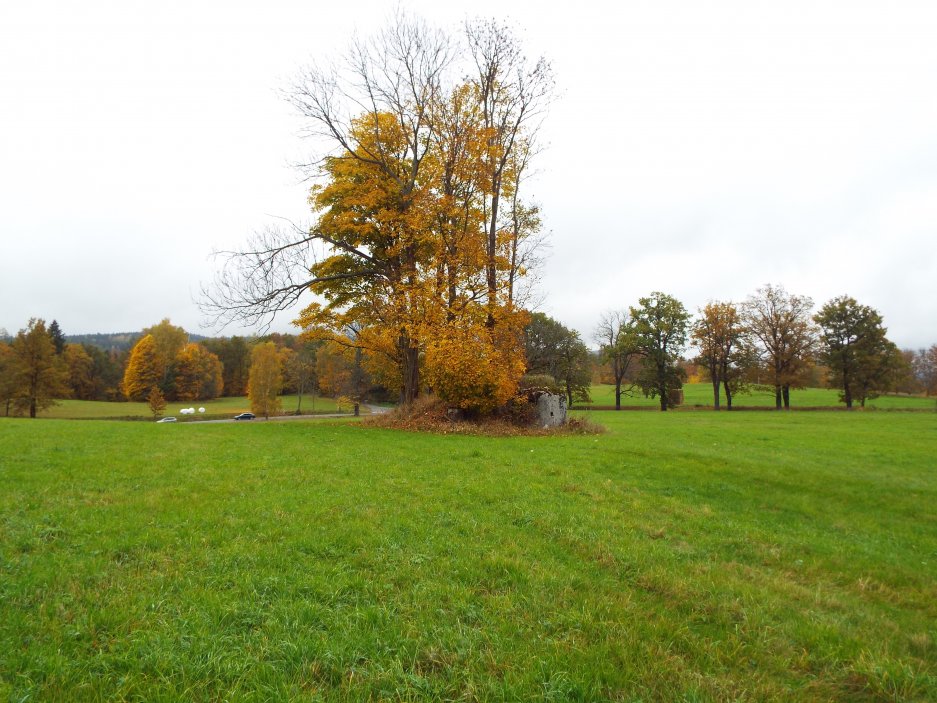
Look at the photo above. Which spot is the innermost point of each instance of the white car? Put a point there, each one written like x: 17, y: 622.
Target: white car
x: 167, y: 419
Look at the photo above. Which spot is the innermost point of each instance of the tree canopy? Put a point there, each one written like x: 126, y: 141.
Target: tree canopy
x: 420, y: 238
x: 660, y: 327
x: 854, y: 347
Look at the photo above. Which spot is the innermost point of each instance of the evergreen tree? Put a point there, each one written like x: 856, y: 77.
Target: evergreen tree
x: 57, y: 336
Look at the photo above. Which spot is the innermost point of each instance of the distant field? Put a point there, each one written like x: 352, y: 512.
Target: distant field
x: 92, y: 409
x: 678, y: 557
x: 702, y: 394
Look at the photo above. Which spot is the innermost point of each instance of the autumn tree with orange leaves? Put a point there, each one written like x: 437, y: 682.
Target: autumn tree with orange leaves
x: 196, y: 374
x: 421, y: 239
x: 144, y: 370
x: 725, y: 348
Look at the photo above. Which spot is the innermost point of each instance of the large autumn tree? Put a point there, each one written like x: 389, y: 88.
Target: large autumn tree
x: 40, y: 376
x: 782, y: 327
x: 196, y: 373
x: 411, y: 243
x: 724, y: 348
x: 266, y: 379
x: 144, y: 370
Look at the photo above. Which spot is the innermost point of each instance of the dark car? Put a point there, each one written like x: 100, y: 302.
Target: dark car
x: 245, y: 416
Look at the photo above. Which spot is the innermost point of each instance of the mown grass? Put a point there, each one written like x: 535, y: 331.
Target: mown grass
x: 678, y: 557
x: 219, y: 407
x: 701, y: 395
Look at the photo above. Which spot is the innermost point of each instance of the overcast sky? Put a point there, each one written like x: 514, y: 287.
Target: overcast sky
x: 698, y: 148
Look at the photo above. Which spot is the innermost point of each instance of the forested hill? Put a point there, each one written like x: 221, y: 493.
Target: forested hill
x: 116, y: 341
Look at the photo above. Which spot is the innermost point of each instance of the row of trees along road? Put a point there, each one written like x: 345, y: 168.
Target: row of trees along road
x: 421, y: 242
x: 771, y: 339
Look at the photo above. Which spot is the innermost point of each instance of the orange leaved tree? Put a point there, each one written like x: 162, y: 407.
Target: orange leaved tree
x: 420, y: 240
x: 196, y: 373
x: 144, y: 370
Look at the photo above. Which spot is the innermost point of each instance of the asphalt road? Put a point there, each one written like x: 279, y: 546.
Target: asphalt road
x: 375, y: 410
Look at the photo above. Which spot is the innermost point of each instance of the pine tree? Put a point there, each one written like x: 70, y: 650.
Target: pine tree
x: 57, y: 336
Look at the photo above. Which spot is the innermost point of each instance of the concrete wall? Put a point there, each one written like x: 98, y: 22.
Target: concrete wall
x: 551, y: 410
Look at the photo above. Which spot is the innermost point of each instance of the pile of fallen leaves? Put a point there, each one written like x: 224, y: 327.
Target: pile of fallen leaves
x: 430, y: 414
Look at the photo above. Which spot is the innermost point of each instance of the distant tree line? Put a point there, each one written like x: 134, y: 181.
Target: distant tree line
x: 164, y: 363
x: 773, y: 339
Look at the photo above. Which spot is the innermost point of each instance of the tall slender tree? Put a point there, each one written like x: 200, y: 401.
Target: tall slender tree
x: 144, y: 370
x: 266, y: 379
x: 618, y: 347
x: 58, y: 337
x: 8, y: 378
x: 722, y: 341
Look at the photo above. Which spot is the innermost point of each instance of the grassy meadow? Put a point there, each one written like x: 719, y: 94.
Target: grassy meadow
x: 701, y: 395
x: 677, y: 557
x: 217, y: 408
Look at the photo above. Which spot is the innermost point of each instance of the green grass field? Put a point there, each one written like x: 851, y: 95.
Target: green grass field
x: 220, y: 407
x: 701, y: 394
x: 678, y: 557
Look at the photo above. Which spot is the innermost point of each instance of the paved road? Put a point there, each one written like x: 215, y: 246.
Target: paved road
x: 374, y: 409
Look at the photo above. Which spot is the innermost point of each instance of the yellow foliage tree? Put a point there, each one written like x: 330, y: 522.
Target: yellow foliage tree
x: 421, y: 239
x: 80, y: 368
x: 475, y: 367
x: 169, y: 340
x: 266, y: 379
x: 144, y: 371
x: 197, y: 373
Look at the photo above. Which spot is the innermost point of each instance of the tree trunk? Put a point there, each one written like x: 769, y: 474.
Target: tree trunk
x: 777, y: 397
x: 410, y: 370
x: 491, y: 269
x: 786, y: 391
x: 618, y: 394
x: 728, y: 396
x: 715, y: 392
